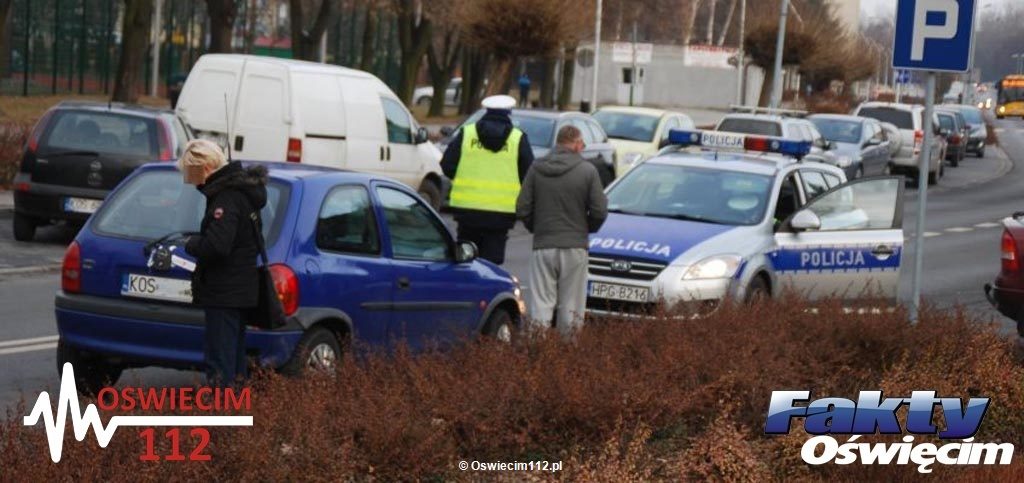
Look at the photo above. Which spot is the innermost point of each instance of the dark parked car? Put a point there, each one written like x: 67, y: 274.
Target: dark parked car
x: 542, y: 126
x: 954, y: 128
x: 79, y: 151
x: 860, y: 143
x: 1006, y: 293
x: 978, y: 131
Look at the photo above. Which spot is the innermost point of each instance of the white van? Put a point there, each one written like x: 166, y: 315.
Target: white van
x: 303, y: 112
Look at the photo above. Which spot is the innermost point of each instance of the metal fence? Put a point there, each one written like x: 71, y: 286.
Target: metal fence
x: 59, y: 47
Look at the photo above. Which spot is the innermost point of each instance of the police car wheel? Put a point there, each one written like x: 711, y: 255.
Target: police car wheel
x: 757, y: 291
x: 499, y: 326
x: 318, y: 350
x: 431, y: 192
x: 91, y: 373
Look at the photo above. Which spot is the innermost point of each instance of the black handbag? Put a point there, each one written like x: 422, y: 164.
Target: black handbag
x: 268, y: 313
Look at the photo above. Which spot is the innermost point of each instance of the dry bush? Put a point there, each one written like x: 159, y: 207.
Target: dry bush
x: 828, y: 102
x: 12, y: 142
x: 663, y: 399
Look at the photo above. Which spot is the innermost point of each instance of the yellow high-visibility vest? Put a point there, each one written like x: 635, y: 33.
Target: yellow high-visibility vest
x: 486, y: 180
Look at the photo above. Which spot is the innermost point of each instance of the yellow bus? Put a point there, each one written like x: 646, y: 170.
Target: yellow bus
x: 1011, y: 97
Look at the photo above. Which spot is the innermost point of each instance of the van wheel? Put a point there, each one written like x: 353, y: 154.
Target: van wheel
x: 24, y: 227
x: 318, y: 350
x: 499, y: 326
x: 91, y: 374
x: 431, y: 192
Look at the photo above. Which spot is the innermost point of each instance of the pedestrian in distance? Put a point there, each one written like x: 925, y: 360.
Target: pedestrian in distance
x: 524, y: 90
x: 561, y: 203
x: 487, y: 162
x: 225, y: 282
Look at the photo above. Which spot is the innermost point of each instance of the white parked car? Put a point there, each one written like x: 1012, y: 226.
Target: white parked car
x: 909, y: 118
x: 424, y: 94
x: 304, y: 112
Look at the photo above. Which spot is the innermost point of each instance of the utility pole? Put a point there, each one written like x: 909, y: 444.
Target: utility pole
x: 154, y: 73
x: 779, y: 46
x: 597, y: 56
x: 741, y: 55
x: 635, y: 75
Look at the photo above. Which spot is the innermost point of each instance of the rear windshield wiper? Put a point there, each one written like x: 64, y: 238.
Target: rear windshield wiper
x: 71, y: 153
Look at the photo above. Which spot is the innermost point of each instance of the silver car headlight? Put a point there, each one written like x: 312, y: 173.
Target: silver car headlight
x: 719, y: 266
x: 632, y: 159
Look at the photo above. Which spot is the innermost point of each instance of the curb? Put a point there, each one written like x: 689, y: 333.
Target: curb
x: 55, y: 267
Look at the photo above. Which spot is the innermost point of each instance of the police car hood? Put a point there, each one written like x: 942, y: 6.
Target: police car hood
x: 658, y: 239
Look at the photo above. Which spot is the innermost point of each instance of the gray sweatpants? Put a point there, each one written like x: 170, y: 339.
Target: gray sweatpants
x: 558, y: 278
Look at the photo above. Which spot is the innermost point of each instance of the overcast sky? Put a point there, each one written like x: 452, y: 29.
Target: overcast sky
x: 887, y: 8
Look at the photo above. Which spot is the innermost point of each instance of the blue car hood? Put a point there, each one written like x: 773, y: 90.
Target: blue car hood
x: 656, y: 239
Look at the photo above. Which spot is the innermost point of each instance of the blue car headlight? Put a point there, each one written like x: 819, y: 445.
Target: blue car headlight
x: 719, y: 266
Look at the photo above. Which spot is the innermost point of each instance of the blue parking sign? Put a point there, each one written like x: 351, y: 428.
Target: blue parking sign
x: 935, y: 35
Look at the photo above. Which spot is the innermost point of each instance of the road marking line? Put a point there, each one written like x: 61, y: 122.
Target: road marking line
x: 959, y: 229
x: 28, y: 348
x: 33, y: 340
x: 987, y: 225
x: 930, y: 234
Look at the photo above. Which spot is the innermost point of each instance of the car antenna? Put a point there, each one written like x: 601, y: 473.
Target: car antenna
x: 227, y: 127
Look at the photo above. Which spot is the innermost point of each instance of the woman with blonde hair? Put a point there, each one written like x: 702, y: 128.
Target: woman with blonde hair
x: 225, y: 282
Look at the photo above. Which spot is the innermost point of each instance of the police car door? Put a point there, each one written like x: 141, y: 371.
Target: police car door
x: 846, y: 242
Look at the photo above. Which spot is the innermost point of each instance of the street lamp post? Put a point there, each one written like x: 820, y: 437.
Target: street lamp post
x: 780, y: 44
x: 740, y: 55
x: 597, y: 56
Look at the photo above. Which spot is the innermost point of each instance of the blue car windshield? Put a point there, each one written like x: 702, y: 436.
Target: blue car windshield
x: 689, y: 193
x: 157, y: 203
x: 839, y: 131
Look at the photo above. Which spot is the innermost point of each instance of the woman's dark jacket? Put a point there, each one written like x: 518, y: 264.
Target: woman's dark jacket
x: 226, y: 249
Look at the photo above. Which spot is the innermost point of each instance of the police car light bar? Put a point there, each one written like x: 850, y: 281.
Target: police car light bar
x: 728, y: 140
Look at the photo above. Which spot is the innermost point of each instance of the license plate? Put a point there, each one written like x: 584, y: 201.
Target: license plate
x: 619, y: 292
x: 722, y: 140
x: 156, y: 288
x: 81, y: 205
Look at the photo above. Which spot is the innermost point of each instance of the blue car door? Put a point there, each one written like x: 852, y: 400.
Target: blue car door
x: 846, y: 243
x: 434, y: 297
x: 345, y: 264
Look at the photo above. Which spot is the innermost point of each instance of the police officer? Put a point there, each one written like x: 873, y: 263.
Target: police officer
x: 487, y: 162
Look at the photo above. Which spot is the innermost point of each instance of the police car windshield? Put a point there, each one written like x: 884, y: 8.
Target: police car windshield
x: 838, y: 131
x: 631, y: 127
x: 690, y: 193
x: 539, y: 130
x: 155, y: 203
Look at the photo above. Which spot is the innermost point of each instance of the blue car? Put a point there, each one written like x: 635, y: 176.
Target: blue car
x: 354, y: 258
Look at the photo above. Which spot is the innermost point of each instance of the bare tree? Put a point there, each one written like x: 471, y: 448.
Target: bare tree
x: 306, y: 42
x: 222, y: 23
x: 370, y: 24
x: 711, y: 22
x: 135, y: 32
x: 5, y: 49
x: 443, y: 52
x: 414, y: 30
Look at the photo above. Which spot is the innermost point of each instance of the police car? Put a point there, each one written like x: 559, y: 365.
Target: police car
x: 721, y: 215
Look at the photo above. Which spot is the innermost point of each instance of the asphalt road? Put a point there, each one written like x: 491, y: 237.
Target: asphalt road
x: 961, y: 254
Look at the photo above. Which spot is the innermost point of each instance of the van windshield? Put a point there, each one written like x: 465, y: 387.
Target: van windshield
x: 156, y: 203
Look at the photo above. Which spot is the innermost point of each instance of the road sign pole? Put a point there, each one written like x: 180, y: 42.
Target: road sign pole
x: 922, y: 201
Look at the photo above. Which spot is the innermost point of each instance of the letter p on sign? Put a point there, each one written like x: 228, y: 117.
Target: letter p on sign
x: 933, y: 19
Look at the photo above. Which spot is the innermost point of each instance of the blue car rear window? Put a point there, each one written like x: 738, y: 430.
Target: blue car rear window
x: 156, y: 203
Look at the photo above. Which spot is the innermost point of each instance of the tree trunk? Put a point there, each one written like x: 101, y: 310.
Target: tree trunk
x: 414, y: 32
x: 306, y: 43
x: 222, y: 24
x: 5, y: 39
x: 728, y: 21
x: 135, y: 32
x: 689, y: 20
x: 251, y: 14
x: 710, y: 38
x: 475, y: 65
x: 547, y: 87
x: 568, y: 78
x: 441, y: 66
x: 766, y: 89
x: 369, y: 50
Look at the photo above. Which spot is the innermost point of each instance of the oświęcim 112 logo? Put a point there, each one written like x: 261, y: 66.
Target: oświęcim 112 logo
x: 873, y: 413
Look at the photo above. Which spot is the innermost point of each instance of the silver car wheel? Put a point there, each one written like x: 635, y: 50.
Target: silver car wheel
x: 322, y: 358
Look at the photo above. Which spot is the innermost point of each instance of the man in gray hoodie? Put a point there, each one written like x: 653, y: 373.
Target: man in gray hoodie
x: 561, y: 203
